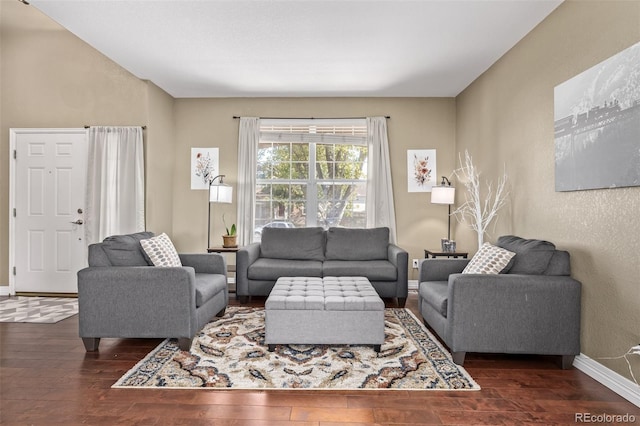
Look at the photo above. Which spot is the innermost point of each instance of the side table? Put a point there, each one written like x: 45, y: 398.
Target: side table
x: 439, y: 253
x: 230, y: 268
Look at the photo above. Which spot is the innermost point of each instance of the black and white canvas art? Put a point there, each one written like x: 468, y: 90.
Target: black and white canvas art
x: 597, y: 125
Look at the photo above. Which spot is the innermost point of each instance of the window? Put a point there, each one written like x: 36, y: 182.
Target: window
x: 311, y: 173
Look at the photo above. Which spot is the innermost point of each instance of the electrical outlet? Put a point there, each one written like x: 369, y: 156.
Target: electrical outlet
x: 415, y: 263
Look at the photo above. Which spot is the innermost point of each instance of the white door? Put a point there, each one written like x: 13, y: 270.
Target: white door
x: 48, y: 184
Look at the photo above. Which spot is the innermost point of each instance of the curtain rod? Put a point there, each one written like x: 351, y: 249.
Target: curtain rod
x: 143, y: 127
x: 311, y: 118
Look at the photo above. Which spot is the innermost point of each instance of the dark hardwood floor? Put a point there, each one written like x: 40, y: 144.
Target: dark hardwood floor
x: 46, y: 377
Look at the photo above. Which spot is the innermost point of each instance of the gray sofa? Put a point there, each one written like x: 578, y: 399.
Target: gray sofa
x: 531, y: 307
x: 314, y: 252
x: 121, y: 295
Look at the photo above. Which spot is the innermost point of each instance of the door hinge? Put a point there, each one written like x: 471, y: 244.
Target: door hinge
x: 14, y: 270
x: 15, y: 154
x: 15, y: 214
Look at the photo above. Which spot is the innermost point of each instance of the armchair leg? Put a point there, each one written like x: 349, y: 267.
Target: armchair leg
x: 91, y: 343
x: 184, y: 343
x: 221, y: 313
x: 566, y: 361
x: 458, y: 357
x: 402, y: 301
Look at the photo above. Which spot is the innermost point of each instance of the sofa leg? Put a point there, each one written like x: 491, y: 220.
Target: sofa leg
x: 91, y: 343
x: 221, y: 313
x: 566, y: 361
x: 458, y: 357
x: 242, y: 299
x: 184, y: 343
x: 402, y: 301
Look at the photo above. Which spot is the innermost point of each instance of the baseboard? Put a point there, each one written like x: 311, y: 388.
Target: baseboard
x: 4, y: 290
x: 413, y: 284
x: 619, y: 384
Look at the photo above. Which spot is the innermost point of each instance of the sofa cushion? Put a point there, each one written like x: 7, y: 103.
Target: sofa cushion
x: 272, y: 269
x: 374, y: 270
x: 488, y: 260
x: 532, y: 256
x: 97, y: 256
x: 357, y: 244
x: 436, y: 294
x: 293, y: 243
x: 207, y: 286
x: 161, y: 251
x: 125, y: 250
x: 559, y: 264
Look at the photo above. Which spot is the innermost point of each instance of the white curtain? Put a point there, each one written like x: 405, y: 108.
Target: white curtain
x: 249, y: 136
x: 115, y: 182
x: 380, y: 210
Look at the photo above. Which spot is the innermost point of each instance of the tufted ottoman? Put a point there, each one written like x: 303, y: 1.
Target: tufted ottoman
x: 329, y: 310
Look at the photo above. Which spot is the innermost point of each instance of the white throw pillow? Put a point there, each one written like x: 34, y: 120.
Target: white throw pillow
x: 489, y: 259
x: 161, y: 251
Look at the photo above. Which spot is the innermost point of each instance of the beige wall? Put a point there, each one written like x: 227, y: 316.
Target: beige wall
x: 416, y: 123
x: 506, y: 117
x: 160, y: 161
x: 50, y: 78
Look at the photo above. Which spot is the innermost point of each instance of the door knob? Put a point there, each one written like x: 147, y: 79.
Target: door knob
x: 78, y: 222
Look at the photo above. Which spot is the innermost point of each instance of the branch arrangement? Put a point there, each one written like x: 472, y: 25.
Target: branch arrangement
x: 635, y: 350
x: 476, y: 211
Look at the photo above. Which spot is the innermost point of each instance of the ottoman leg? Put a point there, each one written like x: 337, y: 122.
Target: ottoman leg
x: 376, y: 348
x: 272, y: 348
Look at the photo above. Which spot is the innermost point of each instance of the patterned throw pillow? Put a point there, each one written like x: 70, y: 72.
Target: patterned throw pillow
x: 489, y: 259
x: 161, y: 251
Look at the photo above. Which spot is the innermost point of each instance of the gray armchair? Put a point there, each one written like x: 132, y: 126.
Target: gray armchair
x: 120, y: 295
x: 533, y: 307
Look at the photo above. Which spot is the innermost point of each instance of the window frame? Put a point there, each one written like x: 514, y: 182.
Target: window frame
x: 351, y: 132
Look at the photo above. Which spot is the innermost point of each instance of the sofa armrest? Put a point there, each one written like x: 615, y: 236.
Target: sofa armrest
x: 440, y: 269
x: 244, y: 258
x: 205, y: 263
x: 514, y: 313
x: 398, y: 256
x: 400, y: 259
x: 137, y: 301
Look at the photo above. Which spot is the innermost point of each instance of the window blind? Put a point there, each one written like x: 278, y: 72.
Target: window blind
x: 349, y: 132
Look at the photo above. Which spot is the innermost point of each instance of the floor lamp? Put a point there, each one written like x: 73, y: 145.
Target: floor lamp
x: 219, y: 193
x: 444, y: 194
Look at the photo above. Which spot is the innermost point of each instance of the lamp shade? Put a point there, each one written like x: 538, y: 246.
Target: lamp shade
x: 443, y: 195
x: 220, y: 194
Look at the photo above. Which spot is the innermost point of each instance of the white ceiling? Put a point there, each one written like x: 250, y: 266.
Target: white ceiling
x: 246, y: 48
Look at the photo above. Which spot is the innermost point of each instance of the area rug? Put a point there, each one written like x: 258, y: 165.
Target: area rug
x: 230, y: 353
x: 37, y: 309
